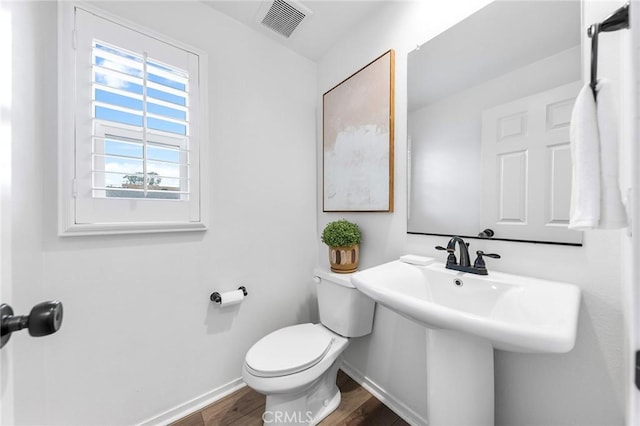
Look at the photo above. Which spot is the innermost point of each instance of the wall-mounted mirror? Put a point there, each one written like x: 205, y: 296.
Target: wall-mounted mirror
x: 489, y: 105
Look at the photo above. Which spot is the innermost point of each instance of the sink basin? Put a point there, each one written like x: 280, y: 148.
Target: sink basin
x: 514, y: 313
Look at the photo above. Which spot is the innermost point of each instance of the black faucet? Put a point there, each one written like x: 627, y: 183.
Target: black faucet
x: 479, y: 267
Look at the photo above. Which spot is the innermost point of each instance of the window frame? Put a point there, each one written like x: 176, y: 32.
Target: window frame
x: 68, y: 225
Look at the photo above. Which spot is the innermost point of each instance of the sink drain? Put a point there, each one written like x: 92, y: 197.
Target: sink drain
x: 458, y: 282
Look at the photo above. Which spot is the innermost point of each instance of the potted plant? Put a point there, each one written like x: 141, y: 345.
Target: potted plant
x: 343, y: 239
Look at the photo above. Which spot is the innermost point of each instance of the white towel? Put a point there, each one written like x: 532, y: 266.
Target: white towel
x: 612, y: 211
x: 596, y: 202
x: 585, y: 155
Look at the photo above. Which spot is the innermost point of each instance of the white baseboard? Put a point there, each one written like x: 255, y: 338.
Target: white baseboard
x: 195, y: 404
x: 189, y: 407
x: 397, y: 406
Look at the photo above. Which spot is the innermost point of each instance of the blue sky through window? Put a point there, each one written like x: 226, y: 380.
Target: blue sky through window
x: 118, y: 92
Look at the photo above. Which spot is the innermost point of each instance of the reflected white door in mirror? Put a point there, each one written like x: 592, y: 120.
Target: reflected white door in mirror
x: 526, y: 166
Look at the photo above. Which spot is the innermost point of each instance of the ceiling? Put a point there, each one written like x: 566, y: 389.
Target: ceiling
x: 503, y: 36
x: 329, y: 21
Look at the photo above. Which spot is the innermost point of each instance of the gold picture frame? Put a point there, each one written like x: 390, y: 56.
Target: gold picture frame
x: 358, y: 140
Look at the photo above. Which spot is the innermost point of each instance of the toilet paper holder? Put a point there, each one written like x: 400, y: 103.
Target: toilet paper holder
x: 217, y: 298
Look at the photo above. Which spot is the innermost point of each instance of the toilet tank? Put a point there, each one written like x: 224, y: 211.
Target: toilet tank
x: 343, y: 308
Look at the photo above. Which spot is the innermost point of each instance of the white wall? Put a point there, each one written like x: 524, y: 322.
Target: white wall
x: 583, y: 387
x: 615, y: 63
x: 446, y: 179
x: 140, y: 335
x: 631, y: 247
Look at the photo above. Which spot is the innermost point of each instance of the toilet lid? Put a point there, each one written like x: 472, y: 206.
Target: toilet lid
x: 289, y: 350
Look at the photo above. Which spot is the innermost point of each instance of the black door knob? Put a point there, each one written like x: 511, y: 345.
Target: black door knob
x: 45, y: 318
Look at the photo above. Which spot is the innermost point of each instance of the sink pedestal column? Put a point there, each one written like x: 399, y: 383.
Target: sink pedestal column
x: 460, y: 388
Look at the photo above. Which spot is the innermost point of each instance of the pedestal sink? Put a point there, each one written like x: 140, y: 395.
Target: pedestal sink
x: 466, y: 316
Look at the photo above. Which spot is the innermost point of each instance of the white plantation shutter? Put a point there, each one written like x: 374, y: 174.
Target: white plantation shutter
x: 137, y: 121
x: 140, y: 126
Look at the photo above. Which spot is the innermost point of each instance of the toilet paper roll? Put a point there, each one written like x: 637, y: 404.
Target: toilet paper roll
x: 230, y: 298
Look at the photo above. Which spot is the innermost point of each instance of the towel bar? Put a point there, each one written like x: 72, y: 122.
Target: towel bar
x: 618, y: 20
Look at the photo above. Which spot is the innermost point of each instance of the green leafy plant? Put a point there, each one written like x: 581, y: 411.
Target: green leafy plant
x: 341, y: 233
x: 137, y: 179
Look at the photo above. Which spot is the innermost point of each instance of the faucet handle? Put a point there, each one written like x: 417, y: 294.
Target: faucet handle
x: 492, y: 255
x: 479, y: 262
x: 451, y: 259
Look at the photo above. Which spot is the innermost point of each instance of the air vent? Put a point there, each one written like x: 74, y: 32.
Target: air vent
x: 284, y: 17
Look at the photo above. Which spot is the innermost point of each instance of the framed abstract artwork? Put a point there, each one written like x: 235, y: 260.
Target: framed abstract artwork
x: 358, y: 123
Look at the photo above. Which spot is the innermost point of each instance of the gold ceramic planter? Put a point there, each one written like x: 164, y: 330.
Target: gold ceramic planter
x: 344, y: 260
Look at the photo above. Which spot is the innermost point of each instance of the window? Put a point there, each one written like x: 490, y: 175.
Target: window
x: 140, y: 126
x: 137, y: 131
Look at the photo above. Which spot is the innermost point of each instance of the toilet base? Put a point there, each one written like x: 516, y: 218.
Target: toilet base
x: 330, y: 408
x: 307, y: 407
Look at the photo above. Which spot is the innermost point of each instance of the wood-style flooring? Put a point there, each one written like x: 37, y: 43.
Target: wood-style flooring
x: 245, y: 408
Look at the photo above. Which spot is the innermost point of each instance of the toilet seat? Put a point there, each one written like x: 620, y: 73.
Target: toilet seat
x: 289, y: 350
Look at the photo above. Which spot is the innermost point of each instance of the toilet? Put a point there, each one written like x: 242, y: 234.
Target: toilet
x: 296, y: 366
